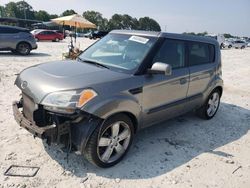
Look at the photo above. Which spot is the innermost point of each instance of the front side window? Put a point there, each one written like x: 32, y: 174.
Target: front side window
x: 172, y: 52
x: 121, y: 52
x: 200, y: 53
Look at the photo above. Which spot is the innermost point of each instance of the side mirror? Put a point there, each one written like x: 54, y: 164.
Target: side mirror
x: 160, y: 68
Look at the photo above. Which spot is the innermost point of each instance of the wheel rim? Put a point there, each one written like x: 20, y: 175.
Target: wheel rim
x: 213, y: 104
x: 23, y: 48
x: 57, y: 39
x: 113, y: 142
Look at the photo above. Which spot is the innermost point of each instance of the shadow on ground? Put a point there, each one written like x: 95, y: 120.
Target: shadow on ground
x: 164, y: 147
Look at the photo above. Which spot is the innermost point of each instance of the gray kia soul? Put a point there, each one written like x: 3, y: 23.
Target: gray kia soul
x: 126, y: 81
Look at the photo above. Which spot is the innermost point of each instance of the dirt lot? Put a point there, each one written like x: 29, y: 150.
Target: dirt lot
x: 185, y: 152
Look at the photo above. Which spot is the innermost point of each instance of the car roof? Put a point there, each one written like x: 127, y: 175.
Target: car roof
x: 168, y: 35
x: 13, y: 27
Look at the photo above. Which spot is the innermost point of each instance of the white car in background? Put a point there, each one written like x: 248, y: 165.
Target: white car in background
x: 239, y: 44
x: 248, y: 43
x: 228, y: 44
x: 219, y: 37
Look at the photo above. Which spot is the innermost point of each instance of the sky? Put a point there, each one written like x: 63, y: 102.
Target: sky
x: 213, y: 16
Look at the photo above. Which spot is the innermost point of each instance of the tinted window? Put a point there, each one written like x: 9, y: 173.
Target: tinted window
x: 200, y: 53
x: 172, y: 52
x: 7, y: 30
x: 50, y: 33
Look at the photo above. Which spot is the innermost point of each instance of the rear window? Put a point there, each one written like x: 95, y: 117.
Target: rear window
x: 200, y: 53
x: 7, y: 30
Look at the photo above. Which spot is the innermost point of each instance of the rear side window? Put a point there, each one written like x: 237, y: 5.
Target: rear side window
x: 172, y: 52
x: 200, y: 53
x: 7, y: 30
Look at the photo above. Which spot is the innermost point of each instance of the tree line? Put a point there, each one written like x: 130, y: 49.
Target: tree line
x: 24, y: 10
x: 226, y: 35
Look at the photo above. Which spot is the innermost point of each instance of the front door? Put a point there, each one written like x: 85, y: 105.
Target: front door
x: 164, y: 96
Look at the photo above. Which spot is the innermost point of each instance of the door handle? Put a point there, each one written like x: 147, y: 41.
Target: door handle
x: 183, y: 81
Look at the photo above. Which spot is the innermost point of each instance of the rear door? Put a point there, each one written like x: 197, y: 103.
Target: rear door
x: 8, y: 37
x: 164, y: 96
x: 201, y: 59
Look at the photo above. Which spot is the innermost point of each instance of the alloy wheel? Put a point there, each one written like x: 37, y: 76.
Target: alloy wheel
x: 113, y: 142
x: 213, y: 104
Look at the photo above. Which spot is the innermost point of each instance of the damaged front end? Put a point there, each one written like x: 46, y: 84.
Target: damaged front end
x: 74, y: 127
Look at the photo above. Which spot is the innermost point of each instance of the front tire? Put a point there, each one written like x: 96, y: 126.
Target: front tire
x: 211, y: 106
x: 110, y: 142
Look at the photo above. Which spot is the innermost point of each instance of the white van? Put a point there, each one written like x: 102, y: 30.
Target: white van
x: 219, y: 37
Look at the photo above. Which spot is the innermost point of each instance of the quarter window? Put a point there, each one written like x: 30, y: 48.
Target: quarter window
x: 200, y: 53
x: 172, y: 52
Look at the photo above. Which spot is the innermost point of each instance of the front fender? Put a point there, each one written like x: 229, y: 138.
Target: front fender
x: 104, y: 108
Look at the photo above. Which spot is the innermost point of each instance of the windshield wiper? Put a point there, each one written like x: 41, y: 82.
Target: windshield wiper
x: 93, y: 62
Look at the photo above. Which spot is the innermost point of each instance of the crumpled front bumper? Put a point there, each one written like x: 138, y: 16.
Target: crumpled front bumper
x: 80, y: 131
x: 41, y: 132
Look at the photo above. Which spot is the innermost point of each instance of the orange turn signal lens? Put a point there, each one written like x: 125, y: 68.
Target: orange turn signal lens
x: 86, y: 96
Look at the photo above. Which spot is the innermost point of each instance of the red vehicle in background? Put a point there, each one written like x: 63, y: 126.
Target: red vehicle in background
x: 48, y: 35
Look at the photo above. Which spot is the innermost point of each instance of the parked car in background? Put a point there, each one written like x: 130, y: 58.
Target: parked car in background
x: 126, y: 81
x: 219, y: 37
x: 98, y: 34
x: 16, y: 39
x: 87, y: 35
x: 48, y: 35
x: 239, y: 44
x: 228, y: 43
x: 61, y: 32
x: 33, y: 32
x: 248, y: 43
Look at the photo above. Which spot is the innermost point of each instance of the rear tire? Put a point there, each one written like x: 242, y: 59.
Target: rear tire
x: 110, y: 142
x: 211, y: 105
x: 23, y: 48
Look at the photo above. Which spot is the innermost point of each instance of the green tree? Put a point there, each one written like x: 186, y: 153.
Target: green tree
x: 149, y: 24
x: 25, y: 10
x: 2, y: 11
x: 227, y: 35
x: 42, y: 15
x: 68, y: 12
x: 189, y: 33
x: 52, y: 16
x: 202, y: 34
x: 119, y: 21
x: 20, y: 9
x: 11, y: 9
x: 129, y: 22
x: 97, y: 19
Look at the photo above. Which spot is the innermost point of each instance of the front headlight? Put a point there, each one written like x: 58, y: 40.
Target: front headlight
x: 68, y: 99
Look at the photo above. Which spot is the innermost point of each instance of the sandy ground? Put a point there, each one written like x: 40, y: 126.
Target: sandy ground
x: 185, y: 152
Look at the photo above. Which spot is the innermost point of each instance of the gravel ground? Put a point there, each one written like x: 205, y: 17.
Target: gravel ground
x: 184, y: 152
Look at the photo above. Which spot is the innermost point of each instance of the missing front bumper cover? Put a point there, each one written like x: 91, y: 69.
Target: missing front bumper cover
x: 50, y: 132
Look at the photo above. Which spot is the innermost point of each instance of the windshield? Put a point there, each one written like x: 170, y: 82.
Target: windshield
x: 123, y: 53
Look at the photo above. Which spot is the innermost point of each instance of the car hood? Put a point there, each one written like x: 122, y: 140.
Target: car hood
x: 40, y: 80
